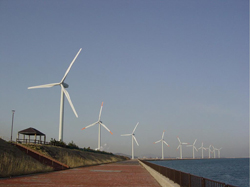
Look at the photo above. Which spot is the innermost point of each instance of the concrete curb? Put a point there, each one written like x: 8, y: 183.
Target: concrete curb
x: 162, y: 180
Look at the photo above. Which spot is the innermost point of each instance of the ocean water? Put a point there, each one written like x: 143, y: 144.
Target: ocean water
x: 234, y: 171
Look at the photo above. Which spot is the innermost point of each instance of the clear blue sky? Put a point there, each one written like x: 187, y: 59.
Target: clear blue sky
x: 180, y: 66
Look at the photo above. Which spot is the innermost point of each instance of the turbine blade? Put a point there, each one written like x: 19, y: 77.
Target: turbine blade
x: 44, y: 86
x: 68, y: 97
x: 195, y: 141
x: 162, y: 134
x: 90, y: 125
x: 66, y: 73
x: 135, y: 128
x: 178, y: 139
x: 183, y: 143
x: 157, y: 141
x: 106, y: 128
x: 195, y: 149
x: 100, y: 112
x: 135, y: 140
x: 126, y: 134
x: 179, y: 146
x: 166, y: 143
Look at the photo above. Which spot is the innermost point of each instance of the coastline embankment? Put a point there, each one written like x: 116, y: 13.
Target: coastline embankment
x: 14, y: 162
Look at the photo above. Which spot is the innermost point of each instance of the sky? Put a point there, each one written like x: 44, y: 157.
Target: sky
x: 179, y: 66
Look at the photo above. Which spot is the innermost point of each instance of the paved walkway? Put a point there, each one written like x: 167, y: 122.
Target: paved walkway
x: 126, y: 173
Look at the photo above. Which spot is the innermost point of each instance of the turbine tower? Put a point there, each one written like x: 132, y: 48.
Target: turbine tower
x: 209, y: 151
x: 180, y: 146
x: 194, y: 148
x: 133, y: 138
x: 162, y: 141
x: 214, y: 149
x: 202, y: 148
x: 100, y: 124
x: 219, y: 152
x: 63, y: 92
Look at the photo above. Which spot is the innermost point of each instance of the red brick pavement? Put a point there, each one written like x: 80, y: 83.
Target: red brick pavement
x: 127, y: 173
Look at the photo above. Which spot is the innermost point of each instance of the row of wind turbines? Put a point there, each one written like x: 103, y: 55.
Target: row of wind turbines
x: 193, y: 146
x: 64, y: 92
x: 99, y: 122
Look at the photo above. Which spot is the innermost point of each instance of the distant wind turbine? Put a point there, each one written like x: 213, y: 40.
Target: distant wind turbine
x: 209, y: 151
x: 133, y: 138
x: 194, y: 148
x: 100, y: 124
x: 63, y: 92
x: 180, y: 146
x: 162, y: 141
x: 219, y: 152
x: 214, y: 149
x: 202, y: 148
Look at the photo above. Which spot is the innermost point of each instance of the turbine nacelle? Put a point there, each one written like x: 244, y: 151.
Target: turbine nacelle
x: 65, y: 85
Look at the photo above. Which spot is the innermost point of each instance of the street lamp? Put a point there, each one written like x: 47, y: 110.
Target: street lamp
x: 13, y: 111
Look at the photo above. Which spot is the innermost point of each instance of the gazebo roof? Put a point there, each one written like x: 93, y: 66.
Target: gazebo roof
x: 31, y: 131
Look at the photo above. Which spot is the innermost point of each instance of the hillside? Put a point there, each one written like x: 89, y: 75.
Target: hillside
x: 76, y: 157
x: 15, y: 162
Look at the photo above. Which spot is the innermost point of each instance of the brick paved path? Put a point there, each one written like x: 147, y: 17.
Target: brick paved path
x: 127, y: 173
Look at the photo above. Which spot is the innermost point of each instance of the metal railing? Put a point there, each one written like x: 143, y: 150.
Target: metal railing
x: 32, y: 141
x: 185, y: 179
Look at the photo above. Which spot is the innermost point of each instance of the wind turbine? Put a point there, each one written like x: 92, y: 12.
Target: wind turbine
x: 214, y: 149
x: 209, y: 150
x: 194, y: 148
x: 202, y: 148
x: 162, y: 141
x: 133, y: 138
x: 63, y: 92
x: 100, y: 124
x: 219, y: 152
x: 180, y: 146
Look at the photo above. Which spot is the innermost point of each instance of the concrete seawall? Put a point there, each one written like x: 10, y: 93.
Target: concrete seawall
x: 162, y: 180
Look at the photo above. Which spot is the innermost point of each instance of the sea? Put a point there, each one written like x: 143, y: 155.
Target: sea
x: 233, y: 171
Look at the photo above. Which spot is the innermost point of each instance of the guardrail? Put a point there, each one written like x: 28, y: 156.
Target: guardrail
x: 34, y: 141
x: 185, y: 179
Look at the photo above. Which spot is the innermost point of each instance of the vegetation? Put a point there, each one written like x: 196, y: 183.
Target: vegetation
x: 76, y: 157
x: 15, y: 162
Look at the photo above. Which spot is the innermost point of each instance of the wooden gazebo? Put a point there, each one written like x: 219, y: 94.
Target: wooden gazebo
x: 31, y: 132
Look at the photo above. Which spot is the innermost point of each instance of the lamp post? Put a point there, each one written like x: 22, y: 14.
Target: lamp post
x: 13, y: 111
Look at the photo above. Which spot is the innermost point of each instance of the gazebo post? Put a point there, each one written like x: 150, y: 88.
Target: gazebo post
x: 44, y: 139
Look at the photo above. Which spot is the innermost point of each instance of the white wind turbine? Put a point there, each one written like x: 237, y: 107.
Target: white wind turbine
x: 214, y: 149
x: 219, y: 152
x: 202, y: 148
x: 162, y: 141
x: 180, y: 146
x: 63, y: 92
x: 100, y: 124
x: 194, y: 148
x: 133, y: 138
x: 209, y: 151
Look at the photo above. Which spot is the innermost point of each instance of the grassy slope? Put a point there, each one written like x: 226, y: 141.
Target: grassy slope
x: 15, y: 162
x: 75, y: 157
